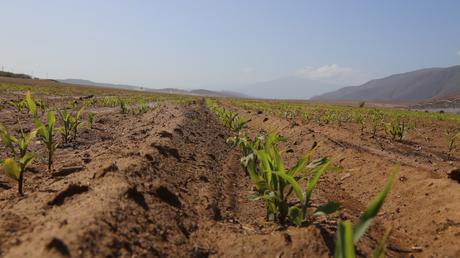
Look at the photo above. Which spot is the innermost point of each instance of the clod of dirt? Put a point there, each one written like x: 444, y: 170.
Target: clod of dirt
x: 455, y: 175
x: 164, y: 134
x: 69, y: 192
x: 168, y: 197
x: 3, y: 185
x: 65, y: 171
x: 167, y: 151
x: 265, y: 119
x: 179, y: 131
x: 287, y: 238
x: 137, y: 197
x: 112, y: 168
x: 212, y: 156
x: 87, y: 158
x: 59, y: 246
x: 199, y: 252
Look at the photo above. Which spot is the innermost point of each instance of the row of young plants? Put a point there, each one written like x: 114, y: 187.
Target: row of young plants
x: 20, y: 156
x: 70, y: 119
x: 280, y: 188
x: 394, y: 123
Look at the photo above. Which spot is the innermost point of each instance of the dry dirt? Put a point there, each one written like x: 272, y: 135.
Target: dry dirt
x: 166, y: 184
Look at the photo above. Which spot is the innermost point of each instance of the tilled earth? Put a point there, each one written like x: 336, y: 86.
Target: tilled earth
x: 163, y: 184
x: 166, y: 184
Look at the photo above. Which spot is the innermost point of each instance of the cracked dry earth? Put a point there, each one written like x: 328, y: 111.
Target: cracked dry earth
x: 162, y: 184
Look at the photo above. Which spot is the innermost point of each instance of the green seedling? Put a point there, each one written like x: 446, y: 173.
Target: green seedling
x: 45, y: 131
x: 376, y: 120
x: 76, y: 123
x: 143, y: 108
x: 396, y: 129
x: 362, y: 122
x: 123, y: 106
x: 47, y: 134
x: 15, y: 167
x: 348, y: 237
x: 67, y: 126
x: 19, y: 105
x: 452, y: 142
x: 91, y: 119
x: 275, y: 183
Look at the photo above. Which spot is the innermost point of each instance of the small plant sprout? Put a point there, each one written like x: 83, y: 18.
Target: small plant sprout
x: 275, y: 183
x: 91, y: 116
x: 362, y: 122
x: 66, y: 128
x: 452, y: 142
x: 142, y: 108
x: 70, y: 124
x: 123, y: 106
x: 376, y: 119
x: 45, y: 131
x: 76, y: 123
x: 348, y: 237
x: 396, y: 129
x: 15, y: 167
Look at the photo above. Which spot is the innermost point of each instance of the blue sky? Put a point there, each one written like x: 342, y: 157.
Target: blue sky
x: 224, y: 44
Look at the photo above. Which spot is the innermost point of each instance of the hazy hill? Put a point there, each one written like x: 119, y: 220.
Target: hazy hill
x: 198, y: 92
x: 15, y: 75
x: 292, y: 87
x: 417, y: 85
x: 99, y: 84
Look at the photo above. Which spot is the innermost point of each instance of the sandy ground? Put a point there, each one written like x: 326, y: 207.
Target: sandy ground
x: 166, y: 184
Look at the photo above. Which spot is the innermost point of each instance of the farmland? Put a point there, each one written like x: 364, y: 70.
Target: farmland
x: 118, y: 173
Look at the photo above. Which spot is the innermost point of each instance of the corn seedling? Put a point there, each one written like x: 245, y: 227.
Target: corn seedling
x: 376, y: 120
x: 229, y: 118
x: 452, y: 142
x: 348, y: 237
x: 45, y: 131
x: 76, y: 122
x: 275, y: 183
x: 123, y: 106
x: 91, y: 119
x: 42, y: 105
x: 66, y: 128
x: 143, y: 108
x: 15, y: 167
x: 70, y: 124
x: 396, y: 129
x: 19, y: 105
x: 362, y: 122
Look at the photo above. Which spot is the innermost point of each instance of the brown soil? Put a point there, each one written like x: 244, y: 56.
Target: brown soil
x: 422, y: 209
x: 166, y: 184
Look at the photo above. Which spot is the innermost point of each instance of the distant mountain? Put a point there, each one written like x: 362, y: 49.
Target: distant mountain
x: 15, y: 75
x: 99, y: 84
x: 412, y: 86
x: 292, y: 87
x: 197, y: 92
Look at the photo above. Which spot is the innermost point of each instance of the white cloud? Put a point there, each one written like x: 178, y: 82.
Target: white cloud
x: 458, y: 53
x: 334, y: 74
x: 325, y: 72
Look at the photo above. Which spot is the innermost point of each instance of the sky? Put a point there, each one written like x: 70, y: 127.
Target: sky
x: 219, y: 45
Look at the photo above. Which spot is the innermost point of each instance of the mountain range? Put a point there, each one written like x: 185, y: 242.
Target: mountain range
x: 431, y: 83
x: 198, y: 92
